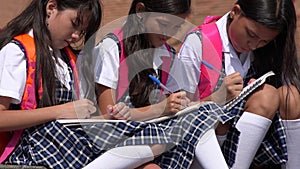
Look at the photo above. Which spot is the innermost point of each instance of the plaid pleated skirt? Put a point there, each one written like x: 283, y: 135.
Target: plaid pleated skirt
x: 272, y: 151
x: 54, y: 145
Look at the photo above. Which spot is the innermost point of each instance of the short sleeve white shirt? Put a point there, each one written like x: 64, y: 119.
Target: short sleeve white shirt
x: 108, y: 62
x: 186, y: 71
x: 13, y: 71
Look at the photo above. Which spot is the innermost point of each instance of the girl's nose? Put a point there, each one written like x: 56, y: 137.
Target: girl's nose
x: 76, y: 35
x: 253, y: 45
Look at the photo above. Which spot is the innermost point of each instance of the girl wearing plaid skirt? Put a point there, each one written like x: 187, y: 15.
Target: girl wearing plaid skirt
x: 38, y: 74
x: 256, y: 36
x: 137, y: 50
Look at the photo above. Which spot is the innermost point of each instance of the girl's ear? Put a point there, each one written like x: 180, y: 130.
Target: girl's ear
x: 235, y: 11
x: 51, y: 7
x: 139, y: 8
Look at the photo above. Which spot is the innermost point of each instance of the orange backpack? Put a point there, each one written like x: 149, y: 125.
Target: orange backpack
x: 10, y: 139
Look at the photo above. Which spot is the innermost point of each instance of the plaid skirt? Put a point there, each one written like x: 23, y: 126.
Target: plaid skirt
x: 273, y: 149
x: 54, y: 145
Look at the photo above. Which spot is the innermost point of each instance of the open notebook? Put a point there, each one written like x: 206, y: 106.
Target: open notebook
x: 245, y: 92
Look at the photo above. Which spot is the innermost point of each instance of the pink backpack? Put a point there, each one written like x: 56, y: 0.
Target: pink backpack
x: 212, y: 53
x: 123, y: 80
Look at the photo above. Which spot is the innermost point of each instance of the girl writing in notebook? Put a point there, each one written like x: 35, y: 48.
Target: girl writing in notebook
x: 125, y: 59
x: 37, y: 78
x: 255, y: 37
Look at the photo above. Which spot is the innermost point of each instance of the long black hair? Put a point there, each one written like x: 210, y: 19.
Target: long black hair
x: 140, y: 64
x: 34, y: 17
x: 279, y: 55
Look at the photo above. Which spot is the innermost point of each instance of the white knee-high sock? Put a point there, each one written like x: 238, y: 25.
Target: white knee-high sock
x: 293, y: 143
x: 253, y: 129
x: 122, y: 158
x: 208, y: 152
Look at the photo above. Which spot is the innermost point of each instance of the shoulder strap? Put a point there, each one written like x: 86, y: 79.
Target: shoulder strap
x: 28, y: 100
x: 212, y: 53
x: 123, y: 83
x: 167, y: 63
x: 29, y: 92
x: 27, y: 44
x: 73, y: 58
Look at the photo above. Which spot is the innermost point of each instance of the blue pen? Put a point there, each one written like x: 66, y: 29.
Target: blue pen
x: 160, y: 84
x: 212, y: 68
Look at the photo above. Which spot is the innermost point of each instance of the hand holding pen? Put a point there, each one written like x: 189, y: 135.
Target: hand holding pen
x: 156, y: 81
x: 175, y: 102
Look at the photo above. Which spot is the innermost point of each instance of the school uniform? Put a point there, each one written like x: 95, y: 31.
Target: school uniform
x: 188, y: 72
x: 51, y: 144
x: 108, y: 64
x: 55, y: 145
x: 180, y: 134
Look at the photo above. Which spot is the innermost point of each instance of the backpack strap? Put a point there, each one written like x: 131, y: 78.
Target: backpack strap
x: 212, y: 53
x: 123, y: 83
x: 27, y: 45
x: 73, y: 59
x: 167, y: 64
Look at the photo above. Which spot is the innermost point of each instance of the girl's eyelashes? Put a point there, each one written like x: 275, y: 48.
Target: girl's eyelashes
x: 163, y: 24
x: 178, y: 26
x: 75, y: 24
x: 251, y: 34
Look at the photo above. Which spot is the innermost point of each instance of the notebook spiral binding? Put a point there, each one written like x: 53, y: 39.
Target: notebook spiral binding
x: 247, y: 90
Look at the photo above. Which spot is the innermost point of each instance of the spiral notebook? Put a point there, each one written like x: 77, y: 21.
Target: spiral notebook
x: 248, y: 89
x: 245, y: 92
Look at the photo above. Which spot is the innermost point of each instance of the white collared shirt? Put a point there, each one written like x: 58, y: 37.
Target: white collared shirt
x: 233, y: 63
x: 108, y: 63
x: 186, y: 71
x: 13, y: 71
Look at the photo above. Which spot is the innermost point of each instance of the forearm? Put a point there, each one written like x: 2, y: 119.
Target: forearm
x: 20, y: 119
x: 146, y: 113
x: 215, y: 97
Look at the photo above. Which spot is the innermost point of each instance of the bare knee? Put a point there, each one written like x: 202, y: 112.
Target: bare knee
x: 289, y: 102
x: 264, y: 102
x: 149, y: 166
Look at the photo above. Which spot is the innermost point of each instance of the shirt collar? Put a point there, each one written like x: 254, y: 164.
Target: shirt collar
x: 222, y: 26
x: 226, y: 45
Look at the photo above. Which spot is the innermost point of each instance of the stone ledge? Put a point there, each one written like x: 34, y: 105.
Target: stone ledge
x: 20, y: 167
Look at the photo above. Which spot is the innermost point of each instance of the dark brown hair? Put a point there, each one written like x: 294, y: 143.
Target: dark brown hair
x: 34, y: 17
x: 136, y: 40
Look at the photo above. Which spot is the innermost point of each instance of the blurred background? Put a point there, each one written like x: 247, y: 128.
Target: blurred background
x: 114, y: 9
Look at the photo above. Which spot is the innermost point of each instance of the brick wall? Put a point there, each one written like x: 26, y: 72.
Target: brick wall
x: 114, y: 9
